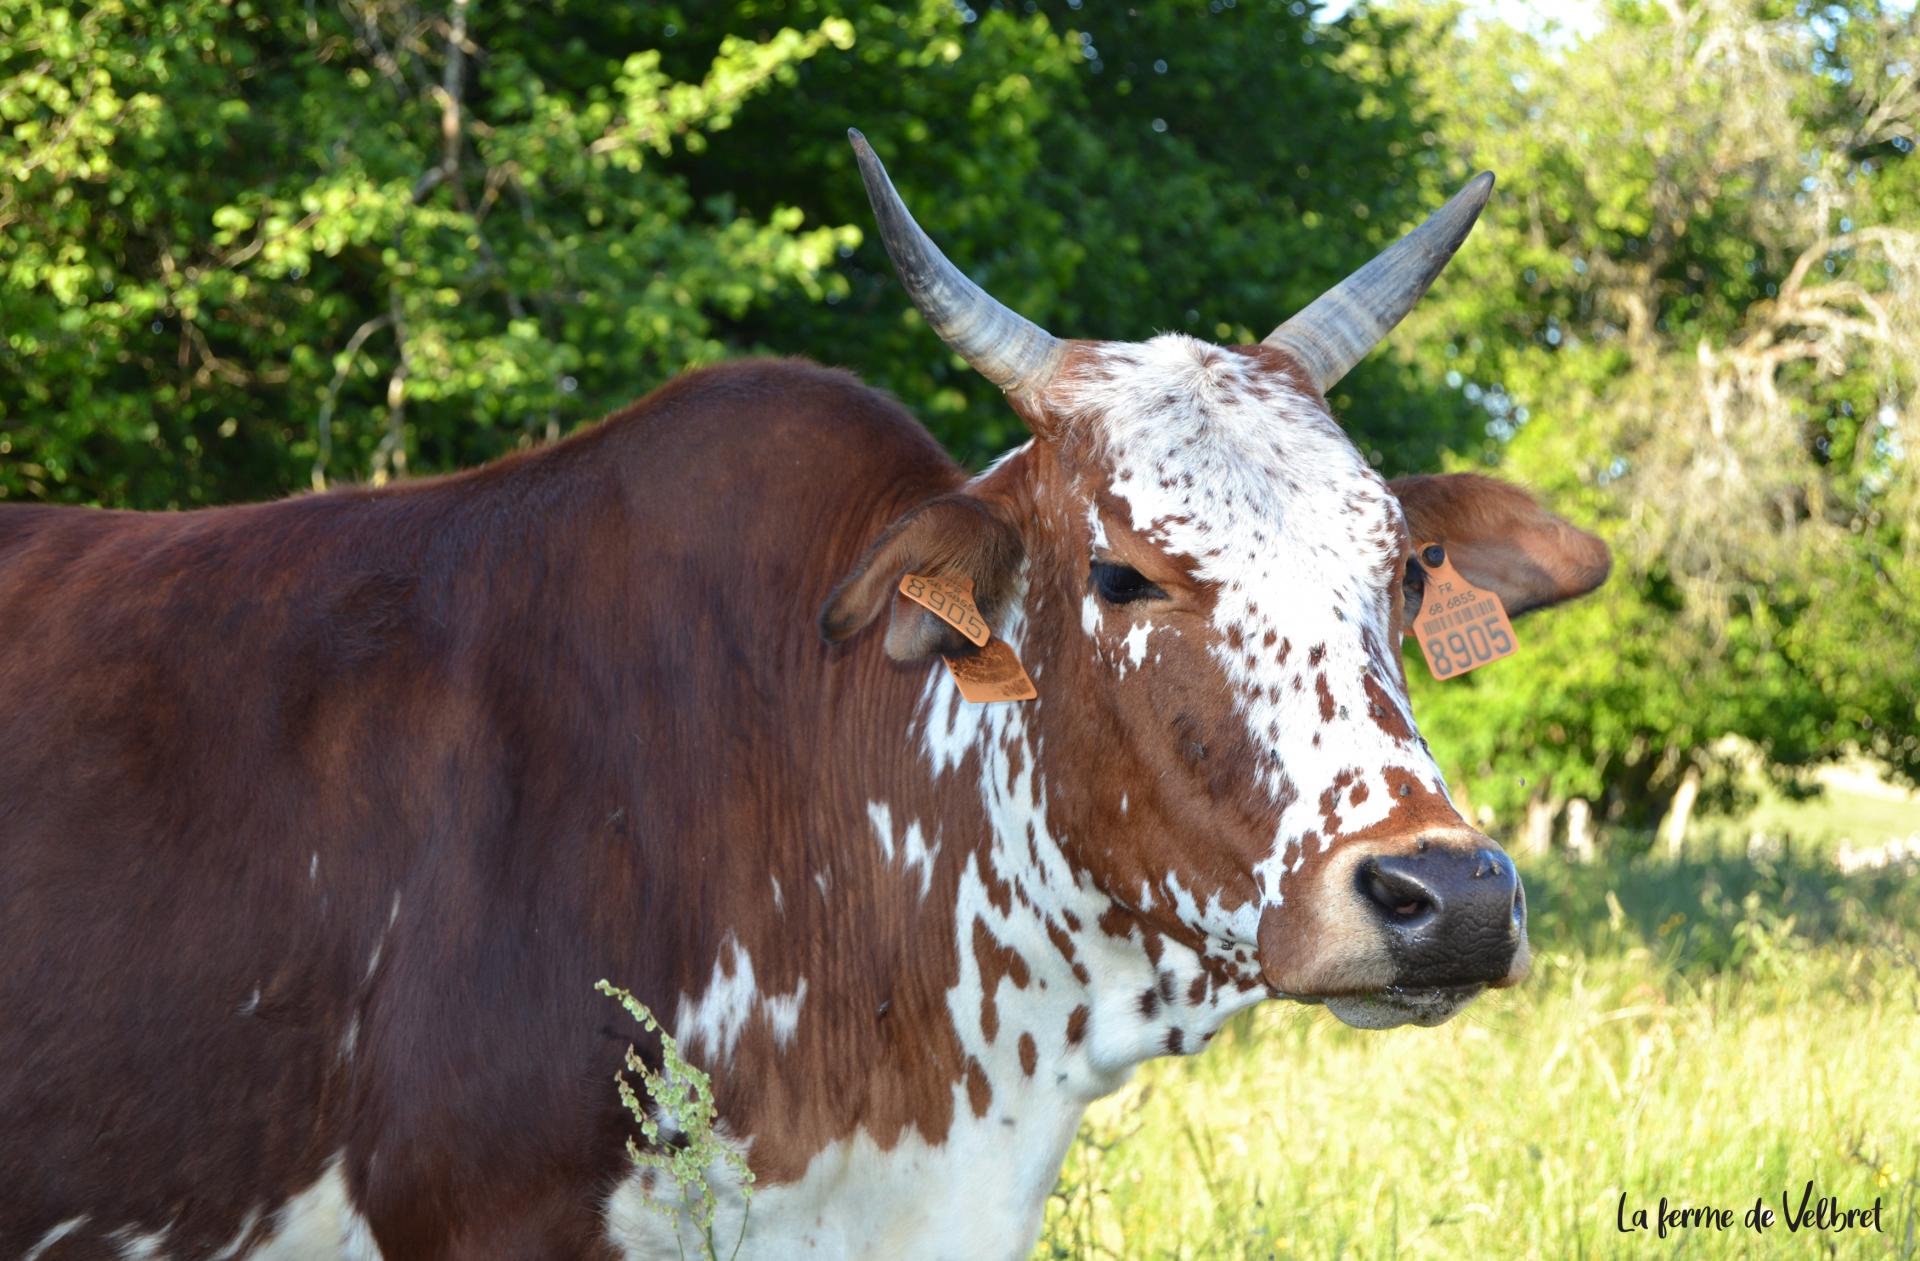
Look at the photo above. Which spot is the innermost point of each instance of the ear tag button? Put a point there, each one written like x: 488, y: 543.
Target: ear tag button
x: 992, y: 674
x: 1459, y: 626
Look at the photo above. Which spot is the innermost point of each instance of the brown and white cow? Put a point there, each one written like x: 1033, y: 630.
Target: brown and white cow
x: 319, y: 819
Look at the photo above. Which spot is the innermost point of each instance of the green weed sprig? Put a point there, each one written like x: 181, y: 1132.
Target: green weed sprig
x: 682, y: 1098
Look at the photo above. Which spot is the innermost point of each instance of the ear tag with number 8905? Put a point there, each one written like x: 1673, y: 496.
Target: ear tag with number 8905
x: 992, y: 674
x: 950, y: 600
x: 1459, y: 626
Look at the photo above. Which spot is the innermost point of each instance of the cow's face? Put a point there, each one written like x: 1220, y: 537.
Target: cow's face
x: 1216, y: 587
x: 1213, y: 583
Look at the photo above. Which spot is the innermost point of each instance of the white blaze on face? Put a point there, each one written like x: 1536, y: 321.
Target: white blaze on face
x: 1227, y: 464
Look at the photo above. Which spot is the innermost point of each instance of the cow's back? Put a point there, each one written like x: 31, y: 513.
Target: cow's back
x: 318, y: 818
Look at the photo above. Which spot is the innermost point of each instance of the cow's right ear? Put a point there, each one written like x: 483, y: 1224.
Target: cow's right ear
x: 953, y: 536
x: 1501, y: 540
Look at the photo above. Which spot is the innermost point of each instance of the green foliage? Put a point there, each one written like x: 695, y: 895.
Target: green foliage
x: 678, y: 1125
x: 1692, y: 320
x: 246, y: 246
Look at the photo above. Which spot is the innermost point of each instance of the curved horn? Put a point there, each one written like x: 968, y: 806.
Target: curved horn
x: 1012, y: 352
x: 1341, y: 325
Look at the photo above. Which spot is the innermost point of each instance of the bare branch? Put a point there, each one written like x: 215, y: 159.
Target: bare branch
x: 323, y: 424
x: 390, y: 457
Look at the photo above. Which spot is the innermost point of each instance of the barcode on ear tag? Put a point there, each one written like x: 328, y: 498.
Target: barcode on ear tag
x: 1459, y: 627
x: 992, y: 674
x: 950, y: 600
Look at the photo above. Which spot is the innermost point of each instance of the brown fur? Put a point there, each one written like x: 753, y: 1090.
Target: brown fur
x: 1500, y: 539
x: 491, y: 695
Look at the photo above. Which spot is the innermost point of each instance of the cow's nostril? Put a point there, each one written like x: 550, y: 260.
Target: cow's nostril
x: 1399, y: 893
x: 1447, y: 916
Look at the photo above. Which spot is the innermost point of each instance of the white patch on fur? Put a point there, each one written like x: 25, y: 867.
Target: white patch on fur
x: 320, y: 1222
x: 135, y: 1245
x: 913, y: 851
x: 967, y: 1197
x: 779, y: 899
x: 783, y: 1013
x: 239, y: 1240
x: 380, y: 942
x: 53, y: 1237
x: 1097, y: 529
x: 710, y: 1026
x: 881, y: 816
x: 1089, y: 615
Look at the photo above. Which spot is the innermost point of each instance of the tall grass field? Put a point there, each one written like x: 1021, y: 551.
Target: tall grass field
x: 1714, y: 1030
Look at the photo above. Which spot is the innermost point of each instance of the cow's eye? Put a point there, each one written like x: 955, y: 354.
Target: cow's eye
x: 1123, y: 584
x: 1416, y: 587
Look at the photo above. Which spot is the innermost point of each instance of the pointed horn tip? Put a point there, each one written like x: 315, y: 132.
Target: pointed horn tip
x: 873, y: 172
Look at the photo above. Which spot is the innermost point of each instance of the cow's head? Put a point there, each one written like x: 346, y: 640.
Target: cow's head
x: 1209, y: 585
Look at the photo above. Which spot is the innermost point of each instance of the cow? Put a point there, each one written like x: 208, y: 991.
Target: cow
x: 321, y: 818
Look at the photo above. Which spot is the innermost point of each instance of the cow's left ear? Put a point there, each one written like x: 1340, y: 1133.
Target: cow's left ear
x: 1501, y: 540
x: 954, y: 536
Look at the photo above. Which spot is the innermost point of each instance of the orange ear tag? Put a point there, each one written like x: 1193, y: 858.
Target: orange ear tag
x: 950, y: 600
x: 993, y: 673
x: 1460, y: 627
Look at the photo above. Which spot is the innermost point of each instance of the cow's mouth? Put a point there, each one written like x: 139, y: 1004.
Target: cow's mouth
x: 1400, y: 1005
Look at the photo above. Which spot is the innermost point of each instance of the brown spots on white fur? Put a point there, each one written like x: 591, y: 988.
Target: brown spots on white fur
x: 995, y: 962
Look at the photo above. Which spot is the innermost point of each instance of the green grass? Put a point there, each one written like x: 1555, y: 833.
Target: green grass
x: 1710, y: 1030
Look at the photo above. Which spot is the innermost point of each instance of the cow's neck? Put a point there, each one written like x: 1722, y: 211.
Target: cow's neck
x: 925, y: 992
x: 1010, y: 994
x: 1059, y: 992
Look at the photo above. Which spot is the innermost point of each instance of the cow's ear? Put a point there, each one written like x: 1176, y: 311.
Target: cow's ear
x: 1501, y: 540
x: 953, y: 536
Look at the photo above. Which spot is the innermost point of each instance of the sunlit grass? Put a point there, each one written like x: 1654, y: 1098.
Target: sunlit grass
x: 1711, y: 1032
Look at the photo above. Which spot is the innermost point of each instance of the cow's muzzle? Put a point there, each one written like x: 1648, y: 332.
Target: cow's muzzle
x: 1400, y: 932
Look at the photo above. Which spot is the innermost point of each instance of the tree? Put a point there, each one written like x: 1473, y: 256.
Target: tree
x: 1697, y: 323
x: 247, y: 247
